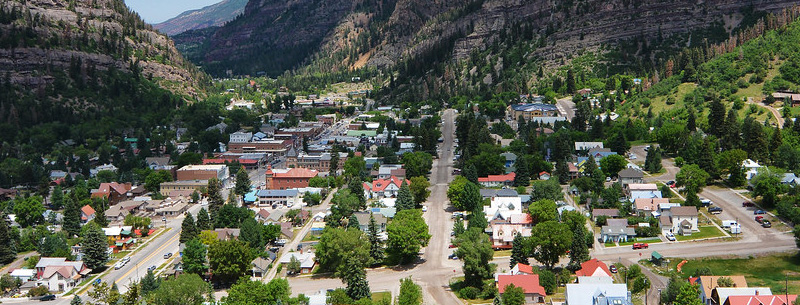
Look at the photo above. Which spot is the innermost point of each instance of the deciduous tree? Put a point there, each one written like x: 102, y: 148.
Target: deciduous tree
x: 336, y: 244
x: 475, y: 250
x: 186, y: 289
x: 513, y: 295
x: 229, y: 260
x: 550, y: 241
x: 692, y: 177
x: 407, y: 232
x: 410, y: 293
x: 419, y: 189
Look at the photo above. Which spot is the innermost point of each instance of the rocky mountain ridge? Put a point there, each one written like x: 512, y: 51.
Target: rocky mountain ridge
x: 210, y: 16
x: 347, y: 34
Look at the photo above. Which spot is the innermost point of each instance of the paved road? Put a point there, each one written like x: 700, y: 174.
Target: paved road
x: 566, y: 107
x: 435, y: 270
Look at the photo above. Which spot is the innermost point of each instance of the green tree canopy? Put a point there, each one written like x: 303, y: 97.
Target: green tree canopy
x: 194, y: 257
x: 247, y: 292
x: 543, y: 210
x: 550, y: 241
x: 464, y: 195
x: 419, y: 189
x: 475, y: 251
x: 229, y: 260
x: 336, y: 244
x: 692, y: 177
x: 417, y: 163
x: 405, y: 199
x: 242, y: 182
x: 513, y: 295
x: 546, y: 189
x: 410, y: 293
x: 612, y: 164
x: 94, y: 247
x: 407, y: 232
x: 186, y: 289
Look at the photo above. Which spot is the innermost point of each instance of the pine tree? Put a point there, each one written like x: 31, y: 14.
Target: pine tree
x: 497, y: 300
x: 352, y: 223
x: 478, y: 219
x: 215, y: 200
x: 334, y: 163
x: 76, y: 300
x: 458, y: 227
x: 523, y: 174
x: 652, y: 162
x: 578, y: 251
x: 100, y: 205
x: 731, y: 138
x: 355, y: 278
x: 405, y: 201
x: 57, y: 199
x: 94, y: 248
x: 188, y: 229
x: 691, y: 121
x: 8, y: 252
x: 619, y: 144
x: 571, y: 87
x: 775, y: 142
x: 149, y: 283
x: 203, y: 221
x: 242, y: 182
x: 470, y: 172
x: 376, y: 245
x: 715, y: 118
x: 72, y: 217
x: 519, y: 252
x: 562, y: 171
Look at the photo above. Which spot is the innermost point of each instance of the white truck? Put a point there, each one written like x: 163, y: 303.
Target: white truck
x: 728, y: 223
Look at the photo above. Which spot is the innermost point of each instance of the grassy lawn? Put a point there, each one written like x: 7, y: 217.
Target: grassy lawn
x: 377, y: 296
x: 705, y: 232
x: 649, y: 240
x: 502, y: 253
x: 310, y: 237
x: 770, y: 271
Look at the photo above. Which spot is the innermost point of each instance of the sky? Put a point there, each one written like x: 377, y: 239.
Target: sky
x: 155, y: 11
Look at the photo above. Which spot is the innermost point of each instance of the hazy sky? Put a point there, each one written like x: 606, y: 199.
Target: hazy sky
x: 155, y: 11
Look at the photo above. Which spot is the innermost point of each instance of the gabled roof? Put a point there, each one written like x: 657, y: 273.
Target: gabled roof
x: 379, y: 185
x: 523, y: 268
x: 263, y: 214
x: 589, y: 268
x: 760, y: 299
x: 498, y: 178
x: 722, y: 293
x: 605, y: 212
x: 684, y: 211
x: 87, y: 210
x: 649, y: 204
x: 528, y: 282
x: 709, y: 282
x: 630, y: 173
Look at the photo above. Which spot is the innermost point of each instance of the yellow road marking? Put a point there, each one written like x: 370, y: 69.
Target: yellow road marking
x: 148, y: 257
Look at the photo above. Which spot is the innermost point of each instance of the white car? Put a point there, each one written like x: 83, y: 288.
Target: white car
x: 669, y: 236
x: 424, y: 208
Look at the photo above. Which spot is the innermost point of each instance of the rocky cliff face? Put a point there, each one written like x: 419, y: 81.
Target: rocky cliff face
x: 209, y: 16
x: 40, y: 37
x: 273, y: 35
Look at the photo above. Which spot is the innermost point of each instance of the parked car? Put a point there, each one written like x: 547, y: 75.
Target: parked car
x: 125, y: 260
x: 612, y: 268
x: 48, y: 297
x: 705, y: 202
x: 759, y: 212
x: 669, y: 236
x: 759, y: 219
x: 151, y: 268
x: 766, y: 224
x: 118, y: 265
x: 671, y: 183
x: 715, y: 210
x: 168, y: 255
x: 640, y: 246
x: 452, y: 256
x: 424, y: 208
x: 747, y: 204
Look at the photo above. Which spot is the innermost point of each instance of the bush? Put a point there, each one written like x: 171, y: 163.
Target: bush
x: 601, y: 221
x: 38, y: 291
x: 468, y: 293
x: 489, y: 289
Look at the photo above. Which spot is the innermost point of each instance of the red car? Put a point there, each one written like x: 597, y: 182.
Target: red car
x: 759, y: 218
x: 640, y: 246
x: 747, y: 204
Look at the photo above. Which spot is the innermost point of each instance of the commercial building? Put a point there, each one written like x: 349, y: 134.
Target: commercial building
x: 282, y: 179
x: 203, y: 172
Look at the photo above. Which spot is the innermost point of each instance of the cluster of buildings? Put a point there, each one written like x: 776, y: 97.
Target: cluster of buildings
x: 55, y: 273
x: 735, y: 291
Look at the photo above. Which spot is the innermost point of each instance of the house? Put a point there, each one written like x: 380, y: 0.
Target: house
x: 307, y: 260
x: 503, y: 234
x: 380, y: 188
x: 260, y: 266
x: 597, y: 294
x: 521, y: 268
x: 720, y: 295
x: 530, y: 111
x: 227, y: 233
x: 616, y: 234
x: 115, y: 192
x: 490, y: 193
x: 761, y: 299
x: 271, y: 197
x: 510, y: 159
x: 593, y: 267
x: 646, y: 206
x: 600, y: 153
x: 610, y: 213
x: 23, y: 275
x: 87, y: 214
x: 642, y: 190
x: 586, y: 146
x: 158, y: 163
x: 534, y: 293
x: 386, y: 171
x: 115, y: 234
x: 707, y: 284
x: 683, y: 220
x: 502, y: 208
x: 630, y: 175
x: 750, y: 168
x: 58, y: 274
x: 116, y: 214
x: 544, y: 176
x: 262, y: 215
x: 790, y: 179
x: 363, y: 221
x: 497, y: 180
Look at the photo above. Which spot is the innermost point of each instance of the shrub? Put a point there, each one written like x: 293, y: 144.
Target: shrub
x: 38, y: 291
x: 468, y: 293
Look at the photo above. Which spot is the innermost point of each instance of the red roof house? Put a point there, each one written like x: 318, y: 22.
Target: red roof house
x: 115, y: 192
x: 520, y: 268
x: 593, y: 267
x: 497, y: 180
x: 760, y: 300
x: 534, y: 293
x: 87, y: 213
x: 385, y: 187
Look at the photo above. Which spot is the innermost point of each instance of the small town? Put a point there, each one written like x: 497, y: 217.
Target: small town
x: 399, y: 152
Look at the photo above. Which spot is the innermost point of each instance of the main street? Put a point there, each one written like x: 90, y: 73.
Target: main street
x: 434, y: 271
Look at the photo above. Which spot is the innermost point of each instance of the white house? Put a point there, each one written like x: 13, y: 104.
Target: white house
x: 307, y: 260
x: 380, y: 188
x: 750, y: 168
x: 59, y: 274
x: 288, y: 198
x: 596, y: 294
x: 503, y: 208
x: 23, y: 275
x: 682, y: 220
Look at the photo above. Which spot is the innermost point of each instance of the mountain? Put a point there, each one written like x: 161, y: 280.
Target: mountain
x: 272, y: 36
x: 86, y: 69
x: 210, y: 16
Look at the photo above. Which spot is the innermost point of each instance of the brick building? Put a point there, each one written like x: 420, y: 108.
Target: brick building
x: 203, y: 172
x: 282, y: 179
